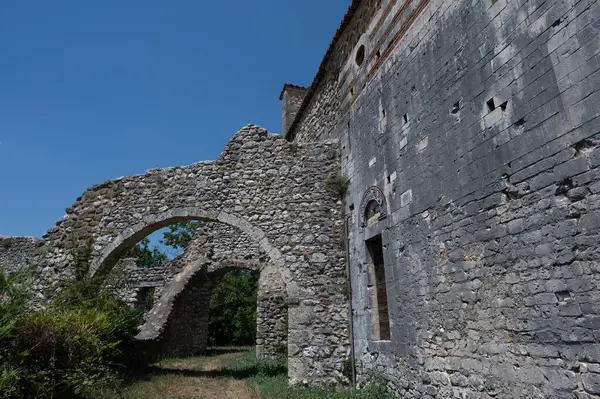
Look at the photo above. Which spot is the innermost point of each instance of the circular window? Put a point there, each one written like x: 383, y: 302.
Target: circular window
x: 360, y: 55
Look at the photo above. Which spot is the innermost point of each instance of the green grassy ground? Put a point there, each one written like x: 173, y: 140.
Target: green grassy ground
x: 226, y: 374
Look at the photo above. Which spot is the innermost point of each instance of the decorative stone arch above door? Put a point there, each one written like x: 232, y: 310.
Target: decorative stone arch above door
x: 372, y: 205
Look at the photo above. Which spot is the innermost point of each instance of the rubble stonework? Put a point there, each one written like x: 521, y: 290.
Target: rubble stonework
x: 18, y: 252
x: 270, y: 190
x: 215, y: 250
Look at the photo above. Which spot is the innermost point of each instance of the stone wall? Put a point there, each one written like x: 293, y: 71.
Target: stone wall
x: 291, y: 100
x: 16, y: 252
x: 218, y: 249
x: 474, y: 128
x: 261, y: 185
x: 186, y: 332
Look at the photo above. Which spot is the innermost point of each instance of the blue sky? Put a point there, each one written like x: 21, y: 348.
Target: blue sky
x: 94, y: 90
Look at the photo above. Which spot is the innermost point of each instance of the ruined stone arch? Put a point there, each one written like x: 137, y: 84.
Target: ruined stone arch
x: 178, y: 322
x: 263, y: 185
x: 110, y: 254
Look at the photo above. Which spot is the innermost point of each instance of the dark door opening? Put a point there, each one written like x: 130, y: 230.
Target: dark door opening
x: 378, y: 289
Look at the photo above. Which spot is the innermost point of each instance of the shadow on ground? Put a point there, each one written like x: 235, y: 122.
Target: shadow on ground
x: 238, y: 374
x: 236, y: 363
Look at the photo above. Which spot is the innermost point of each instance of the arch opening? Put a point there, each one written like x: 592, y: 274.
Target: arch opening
x: 179, y: 323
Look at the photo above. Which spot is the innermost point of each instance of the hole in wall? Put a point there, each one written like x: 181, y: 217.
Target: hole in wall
x: 491, y: 104
x: 583, y: 145
x: 564, y: 187
x: 352, y: 91
x: 563, y: 296
x: 360, y: 55
x: 455, y: 108
x: 557, y: 23
x: 512, y: 193
x: 520, y: 122
x: 503, y: 106
x: 405, y: 119
x: 378, y: 54
x: 389, y: 179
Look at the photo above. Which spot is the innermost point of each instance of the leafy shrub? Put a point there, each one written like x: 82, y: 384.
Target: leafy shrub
x: 71, y: 350
x: 10, y: 381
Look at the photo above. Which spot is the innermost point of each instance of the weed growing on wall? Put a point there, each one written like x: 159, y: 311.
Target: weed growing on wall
x: 337, y: 185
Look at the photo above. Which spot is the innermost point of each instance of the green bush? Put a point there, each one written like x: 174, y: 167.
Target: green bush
x: 74, y: 349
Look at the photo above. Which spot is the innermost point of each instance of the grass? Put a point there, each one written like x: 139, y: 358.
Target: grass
x: 232, y: 373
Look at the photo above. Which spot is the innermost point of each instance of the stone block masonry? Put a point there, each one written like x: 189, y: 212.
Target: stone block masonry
x: 479, y: 122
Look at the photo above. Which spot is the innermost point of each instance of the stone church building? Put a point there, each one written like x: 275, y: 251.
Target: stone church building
x: 430, y: 214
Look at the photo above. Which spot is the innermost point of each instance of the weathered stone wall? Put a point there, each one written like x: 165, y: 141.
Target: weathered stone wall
x: 272, y: 191
x: 17, y: 252
x: 291, y: 100
x: 335, y: 83
x: 186, y: 332
x: 478, y: 122
x: 218, y: 249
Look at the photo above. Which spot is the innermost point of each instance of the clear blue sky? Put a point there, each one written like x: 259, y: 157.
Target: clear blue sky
x: 94, y: 90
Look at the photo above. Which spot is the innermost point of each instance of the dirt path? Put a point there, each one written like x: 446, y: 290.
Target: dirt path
x: 211, y: 387
x: 193, y: 378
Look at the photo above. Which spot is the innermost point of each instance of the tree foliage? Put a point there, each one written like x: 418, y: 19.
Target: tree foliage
x: 76, y: 348
x: 146, y: 256
x: 233, y: 310
x: 180, y: 234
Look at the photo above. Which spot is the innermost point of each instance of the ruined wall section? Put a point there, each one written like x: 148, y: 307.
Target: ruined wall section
x: 274, y: 192
x: 17, y: 252
x: 478, y: 122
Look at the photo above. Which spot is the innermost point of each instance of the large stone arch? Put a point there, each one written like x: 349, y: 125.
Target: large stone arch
x: 272, y: 190
x: 215, y: 250
x: 110, y: 254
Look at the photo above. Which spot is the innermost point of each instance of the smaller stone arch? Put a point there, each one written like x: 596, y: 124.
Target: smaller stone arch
x: 373, y: 204
x: 178, y: 322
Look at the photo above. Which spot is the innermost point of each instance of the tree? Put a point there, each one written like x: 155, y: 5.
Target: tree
x: 233, y: 310
x: 180, y: 234
x: 147, y: 257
